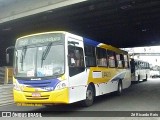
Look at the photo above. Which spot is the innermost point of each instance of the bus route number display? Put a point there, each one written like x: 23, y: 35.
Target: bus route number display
x: 39, y: 39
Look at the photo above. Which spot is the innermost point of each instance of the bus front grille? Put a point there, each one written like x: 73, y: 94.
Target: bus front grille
x: 44, y: 97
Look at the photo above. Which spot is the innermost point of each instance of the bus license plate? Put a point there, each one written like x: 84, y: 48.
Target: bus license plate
x: 36, y: 95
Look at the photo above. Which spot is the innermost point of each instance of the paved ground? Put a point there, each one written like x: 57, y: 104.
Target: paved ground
x: 139, y: 97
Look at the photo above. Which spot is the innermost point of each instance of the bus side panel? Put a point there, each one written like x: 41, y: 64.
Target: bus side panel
x: 107, y: 87
x: 106, y: 79
x: 97, y: 89
x: 127, y: 79
x: 143, y: 72
x: 135, y: 75
x: 103, y: 84
x: 77, y: 93
x: 77, y: 87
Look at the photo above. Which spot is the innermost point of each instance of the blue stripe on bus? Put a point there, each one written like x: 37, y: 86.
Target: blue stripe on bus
x: 119, y: 77
x: 90, y: 42
x: 48, y: 85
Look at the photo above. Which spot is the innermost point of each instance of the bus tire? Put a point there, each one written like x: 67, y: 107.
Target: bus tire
x: 119, y: 88
x: 146, y: 77
x: 89, y: 97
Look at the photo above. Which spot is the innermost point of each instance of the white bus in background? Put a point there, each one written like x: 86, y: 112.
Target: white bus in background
x: 140, y: 70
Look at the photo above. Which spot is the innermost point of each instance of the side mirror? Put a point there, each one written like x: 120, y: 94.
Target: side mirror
x: 7, y: 54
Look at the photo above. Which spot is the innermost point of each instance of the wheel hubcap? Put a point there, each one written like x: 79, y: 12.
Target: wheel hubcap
x: 89, y: 95
x: 120, y: 88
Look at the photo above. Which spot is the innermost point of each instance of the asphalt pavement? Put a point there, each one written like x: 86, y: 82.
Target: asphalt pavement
x: 138, y: 98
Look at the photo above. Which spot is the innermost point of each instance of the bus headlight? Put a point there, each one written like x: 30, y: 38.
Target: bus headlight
x: 61, y: 85
x: 17, y: 87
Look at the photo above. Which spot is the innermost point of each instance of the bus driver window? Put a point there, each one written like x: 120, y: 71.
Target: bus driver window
x: 78, y: 57
x: 71, y: 59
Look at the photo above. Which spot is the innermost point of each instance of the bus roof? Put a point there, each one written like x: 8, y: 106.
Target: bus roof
x: 105, y: 46
x: 137, y: 60
x: 41, y: 33
x: 86, y: 40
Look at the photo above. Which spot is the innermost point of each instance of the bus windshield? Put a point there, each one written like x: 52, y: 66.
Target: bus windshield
x: 40, y: 60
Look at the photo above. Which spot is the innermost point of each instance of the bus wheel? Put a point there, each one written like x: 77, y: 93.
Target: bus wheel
x: 89, y: 97
x: 119, y: 90
x: 146, y: 77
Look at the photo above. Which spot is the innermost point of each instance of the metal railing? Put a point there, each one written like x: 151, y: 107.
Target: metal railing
x: 6, y: 86
x: 6, y: 96
x: 6, y: 75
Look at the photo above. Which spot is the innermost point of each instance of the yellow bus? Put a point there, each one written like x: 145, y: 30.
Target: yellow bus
x: 62, y: 68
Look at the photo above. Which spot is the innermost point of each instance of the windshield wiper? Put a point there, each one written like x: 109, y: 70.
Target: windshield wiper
x: 45, y: 53
x: 23, y: 54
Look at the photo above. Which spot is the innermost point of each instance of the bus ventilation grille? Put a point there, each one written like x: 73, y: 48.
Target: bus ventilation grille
x: 44, y: 97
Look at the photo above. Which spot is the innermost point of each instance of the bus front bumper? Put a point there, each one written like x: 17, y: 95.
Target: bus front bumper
x: 41, y: 98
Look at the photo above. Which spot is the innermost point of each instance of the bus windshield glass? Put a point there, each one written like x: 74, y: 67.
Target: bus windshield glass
x: 39, y: 59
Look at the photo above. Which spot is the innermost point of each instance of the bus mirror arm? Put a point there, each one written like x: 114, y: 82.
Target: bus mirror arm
x: 7, y: 54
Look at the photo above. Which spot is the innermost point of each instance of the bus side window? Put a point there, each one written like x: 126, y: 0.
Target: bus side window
x: 75, y: 60
x: 101, y: 56
x: 78, y: 58
x: 71, y: 58
x: 139, y: 65
x: 136, y: 65
x: 126, y: 63
x: 111, y: 59
x: 148, y: 66
x: 119, y: 60
x: 90, y: 55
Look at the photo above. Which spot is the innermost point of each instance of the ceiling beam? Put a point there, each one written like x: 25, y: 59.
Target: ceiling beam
x: 19, y: 9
